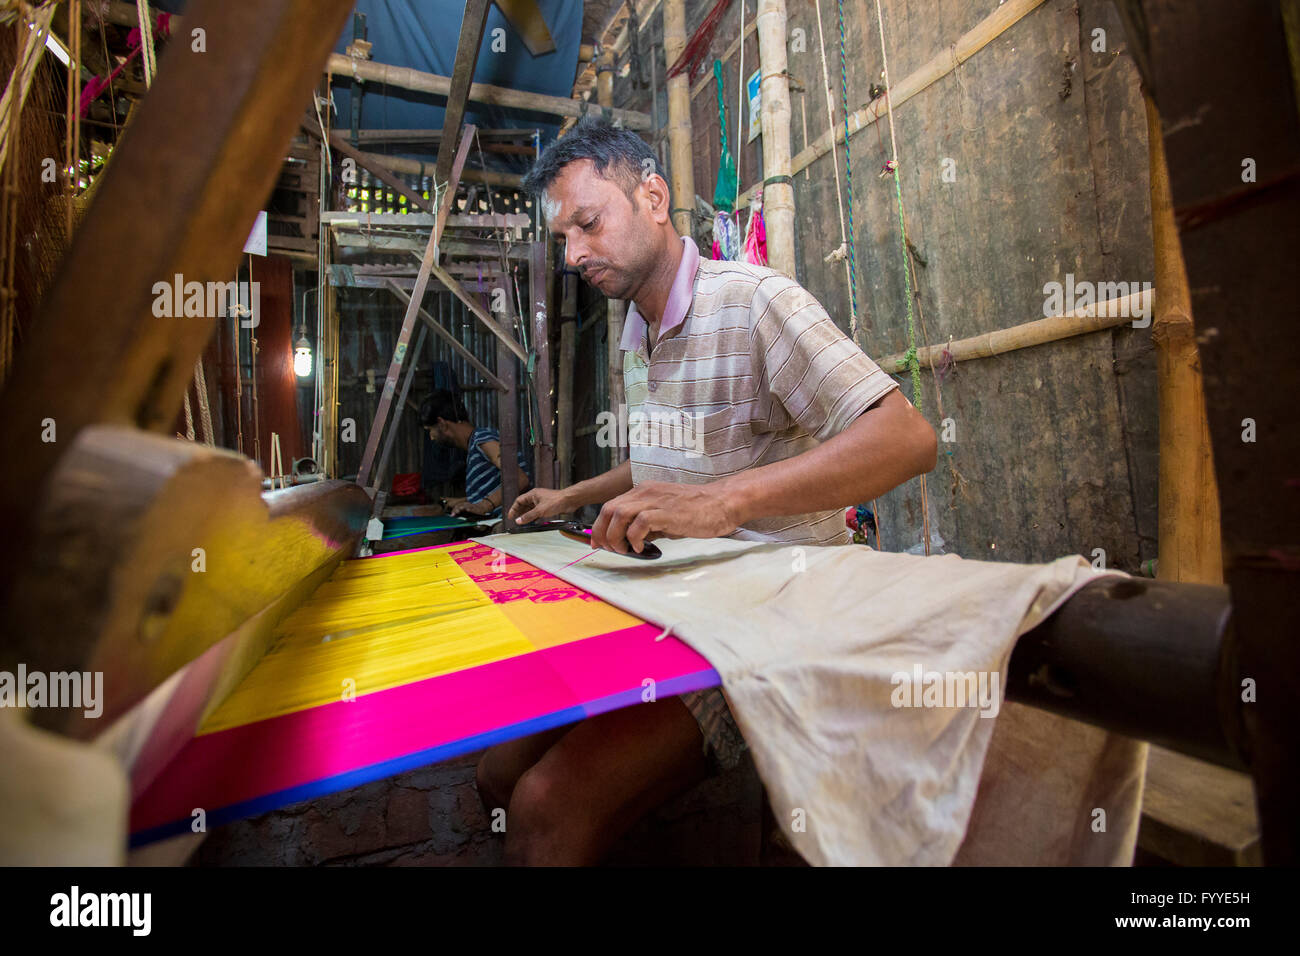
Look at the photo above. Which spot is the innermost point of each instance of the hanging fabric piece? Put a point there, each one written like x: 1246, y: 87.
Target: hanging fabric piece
x: 755, y: 234
x: 726, y: 237
x: 724, y: 193
x: 698, y: 45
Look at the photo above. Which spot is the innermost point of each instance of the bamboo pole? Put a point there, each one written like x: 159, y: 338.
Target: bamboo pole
x: 1103, y: 315
x: 605, y: 78
x: 421, y: 82
x: 682, y: 163
x: 778, y: 190
x: 400, y: 164
x: 1190, y: 545
x: 616, y: 310
x: 936, y: 68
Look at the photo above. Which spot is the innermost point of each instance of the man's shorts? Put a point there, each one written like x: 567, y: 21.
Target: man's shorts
x: 723, y: 744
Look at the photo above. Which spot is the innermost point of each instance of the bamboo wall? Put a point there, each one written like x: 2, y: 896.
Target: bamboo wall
x: 1056, y: 445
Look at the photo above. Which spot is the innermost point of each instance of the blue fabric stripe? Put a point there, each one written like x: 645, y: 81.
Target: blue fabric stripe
x: 682, y: 684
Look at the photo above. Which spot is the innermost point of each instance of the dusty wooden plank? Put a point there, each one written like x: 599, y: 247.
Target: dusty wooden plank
x: 472, y: 23
x: 186, y: 182
x: 1197, y: 814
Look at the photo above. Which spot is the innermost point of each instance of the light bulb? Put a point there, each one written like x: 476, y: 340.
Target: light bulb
x: 302, y: 357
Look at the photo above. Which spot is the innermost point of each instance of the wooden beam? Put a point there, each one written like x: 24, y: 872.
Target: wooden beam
x: 508, y: 427
x: 424, y: 220
x: 1189, y: 543
x: 400, y: 164
x: 681, y: 167
x: 434, y: 136
x: 538, y: 280
x: 427, y: 263
x: 527, y: 19
x: 1104, y: 315
x: 380, y: 170
x: 472, y: 22
x: 409, y: 79
x: 778, y: 196
x: 187, y: 179
x: 564, y: 397
x: 454, y: 246
x: 488, y: 375
x: 402, y: 402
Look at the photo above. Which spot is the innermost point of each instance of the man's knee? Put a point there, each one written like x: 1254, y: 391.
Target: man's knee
x: 543, y: 824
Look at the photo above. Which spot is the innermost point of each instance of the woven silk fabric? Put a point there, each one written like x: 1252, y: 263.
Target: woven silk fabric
x: 402, y: 660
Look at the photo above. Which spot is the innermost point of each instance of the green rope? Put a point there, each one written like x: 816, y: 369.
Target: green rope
x: 723, y: 195
x: 913, y: 363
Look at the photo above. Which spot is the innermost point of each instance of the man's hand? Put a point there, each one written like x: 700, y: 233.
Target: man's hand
x: 464, y: 507
x: 663, y: 509
x: 451, y: 504
x: 538, y: 503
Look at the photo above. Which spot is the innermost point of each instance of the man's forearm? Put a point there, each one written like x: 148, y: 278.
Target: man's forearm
x: 599, y: 489
x: 884, y: 447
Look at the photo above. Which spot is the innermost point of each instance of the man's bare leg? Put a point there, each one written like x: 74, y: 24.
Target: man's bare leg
x: 598, y: 779
x: 501, y: 766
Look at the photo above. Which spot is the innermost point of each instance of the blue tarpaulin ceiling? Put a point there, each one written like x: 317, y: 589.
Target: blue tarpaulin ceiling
x: 422, y: 35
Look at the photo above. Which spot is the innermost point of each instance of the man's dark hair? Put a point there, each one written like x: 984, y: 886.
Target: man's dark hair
x: 619, y: 155
x: 442, y: 404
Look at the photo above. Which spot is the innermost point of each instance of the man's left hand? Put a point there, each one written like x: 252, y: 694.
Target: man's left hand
x: 472, y: 508
x: 663, y: 509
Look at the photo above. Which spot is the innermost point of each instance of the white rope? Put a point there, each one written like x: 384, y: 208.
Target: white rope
x: 842, y: 252
x: 205, y: 409
x: 148, y: 55
x: 889, y: 99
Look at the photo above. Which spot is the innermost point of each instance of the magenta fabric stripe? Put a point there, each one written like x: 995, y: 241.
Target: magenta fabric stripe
x: 238, y: 765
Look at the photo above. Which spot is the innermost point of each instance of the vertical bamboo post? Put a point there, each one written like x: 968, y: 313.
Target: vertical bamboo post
x: 617, y: 308
x: 682, y: 165
x: 568, y: 350
x: 605, y: 77
x: 778, y: 190
x: 327, y: 365
x: 1190, y: 546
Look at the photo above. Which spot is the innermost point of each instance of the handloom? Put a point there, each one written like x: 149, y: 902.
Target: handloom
x: 406, y: 659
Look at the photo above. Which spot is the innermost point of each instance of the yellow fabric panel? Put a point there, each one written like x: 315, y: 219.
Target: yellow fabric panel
x: 379, y: 623
x: 558, y: 622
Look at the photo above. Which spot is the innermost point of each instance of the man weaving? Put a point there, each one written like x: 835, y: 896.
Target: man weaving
x: 792, y: 424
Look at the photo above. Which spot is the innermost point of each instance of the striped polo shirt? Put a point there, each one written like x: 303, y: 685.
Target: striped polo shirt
x: 748, y: 370
x: 481, y: 476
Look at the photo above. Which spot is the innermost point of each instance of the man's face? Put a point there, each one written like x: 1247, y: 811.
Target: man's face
x: 607, y: 236
x: 440, y: 431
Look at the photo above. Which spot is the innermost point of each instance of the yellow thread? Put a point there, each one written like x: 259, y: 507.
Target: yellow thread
x: 379, y: 624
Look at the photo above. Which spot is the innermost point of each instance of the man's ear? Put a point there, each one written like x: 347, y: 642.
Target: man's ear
x: 657, y: 196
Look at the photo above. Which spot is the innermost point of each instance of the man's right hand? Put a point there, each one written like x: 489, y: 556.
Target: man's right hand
x: 538, y: 503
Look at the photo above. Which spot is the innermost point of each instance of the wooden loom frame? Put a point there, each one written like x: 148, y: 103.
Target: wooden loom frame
x: 108, y: 582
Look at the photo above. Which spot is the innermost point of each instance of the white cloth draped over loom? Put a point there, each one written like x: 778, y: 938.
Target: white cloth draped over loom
x: 807, y: 640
